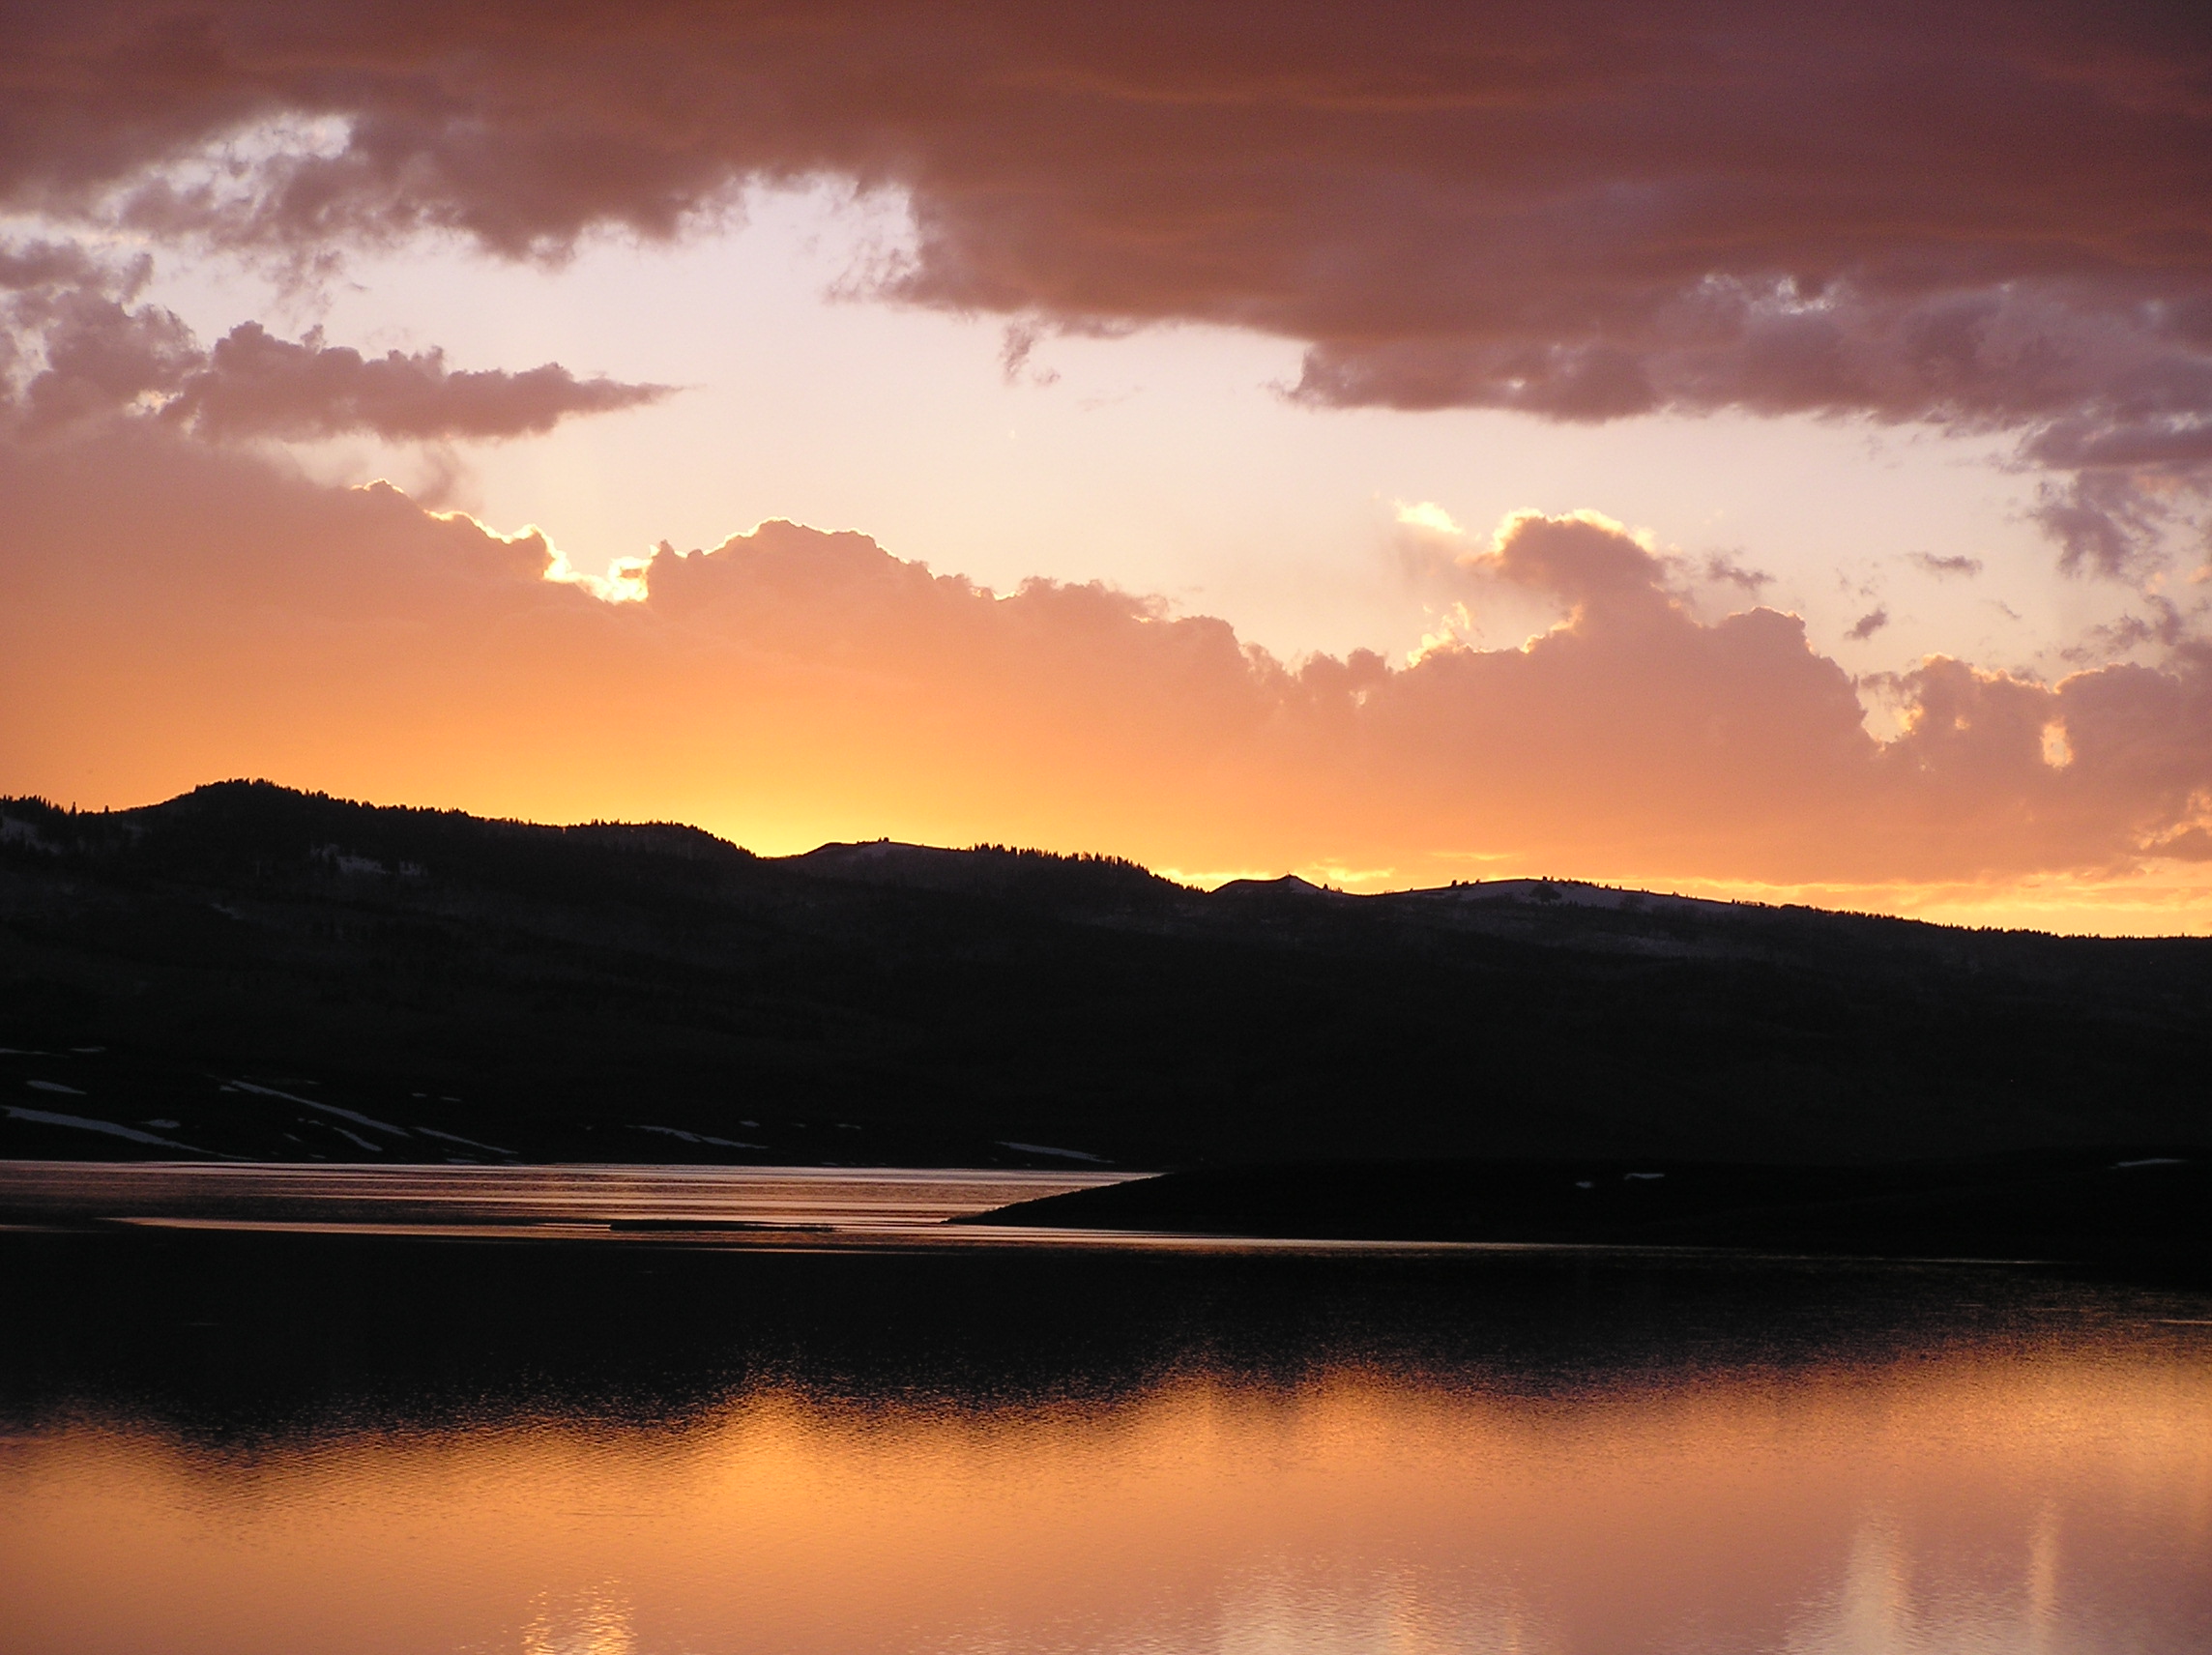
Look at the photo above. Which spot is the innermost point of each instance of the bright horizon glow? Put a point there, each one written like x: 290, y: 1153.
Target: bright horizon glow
x: 1882, y: 587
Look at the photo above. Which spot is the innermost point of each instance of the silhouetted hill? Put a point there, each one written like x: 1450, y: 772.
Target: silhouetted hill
x: 256, y: 972
x: 1088, y: 886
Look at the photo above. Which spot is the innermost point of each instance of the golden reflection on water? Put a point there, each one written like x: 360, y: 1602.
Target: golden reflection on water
x: 2019, y: 1501
x: 595, y: 1624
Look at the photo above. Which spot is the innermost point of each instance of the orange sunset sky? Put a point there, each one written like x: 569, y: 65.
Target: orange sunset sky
x: 1739, y: 450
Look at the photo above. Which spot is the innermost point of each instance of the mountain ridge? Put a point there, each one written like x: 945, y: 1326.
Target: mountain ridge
x: 31, y: 822
x: 611, y: 991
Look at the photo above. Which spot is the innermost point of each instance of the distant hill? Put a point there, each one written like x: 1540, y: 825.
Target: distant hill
x: 251, y: 970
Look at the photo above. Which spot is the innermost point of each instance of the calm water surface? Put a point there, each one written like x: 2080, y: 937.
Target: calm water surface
x: 283, y: 1441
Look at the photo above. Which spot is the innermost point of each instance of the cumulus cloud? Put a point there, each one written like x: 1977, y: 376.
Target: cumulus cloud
x: 77, y: 348
x: 1868, y: 625
x: 793, y: 685
x: 1965, y: 214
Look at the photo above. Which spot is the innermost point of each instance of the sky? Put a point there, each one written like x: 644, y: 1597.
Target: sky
x: 1693, y: 446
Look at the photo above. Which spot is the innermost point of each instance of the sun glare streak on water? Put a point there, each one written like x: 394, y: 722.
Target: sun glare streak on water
x: 519, y: 1200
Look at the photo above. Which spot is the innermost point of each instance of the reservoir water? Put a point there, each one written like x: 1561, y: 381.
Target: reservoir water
x: 256, y: 1435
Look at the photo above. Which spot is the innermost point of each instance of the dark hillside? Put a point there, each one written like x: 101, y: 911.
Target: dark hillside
x: 255, y: 971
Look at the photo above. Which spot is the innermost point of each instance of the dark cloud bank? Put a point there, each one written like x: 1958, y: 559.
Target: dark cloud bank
x: 1989, y: 217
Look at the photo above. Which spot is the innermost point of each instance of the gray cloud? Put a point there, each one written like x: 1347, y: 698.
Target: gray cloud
x: 2108, y: 522
x: 79, y: 350
x: 257, y: 384
x: 1940, y: 566
x: 1720, y: 567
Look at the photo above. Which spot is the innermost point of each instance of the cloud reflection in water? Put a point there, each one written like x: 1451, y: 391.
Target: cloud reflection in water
x: 1207, y: 1456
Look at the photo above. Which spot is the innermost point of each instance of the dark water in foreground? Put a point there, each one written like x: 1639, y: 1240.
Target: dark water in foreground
x: 295, y: 1443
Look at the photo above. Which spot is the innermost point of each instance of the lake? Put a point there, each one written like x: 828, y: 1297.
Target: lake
x: 245, y: 1433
